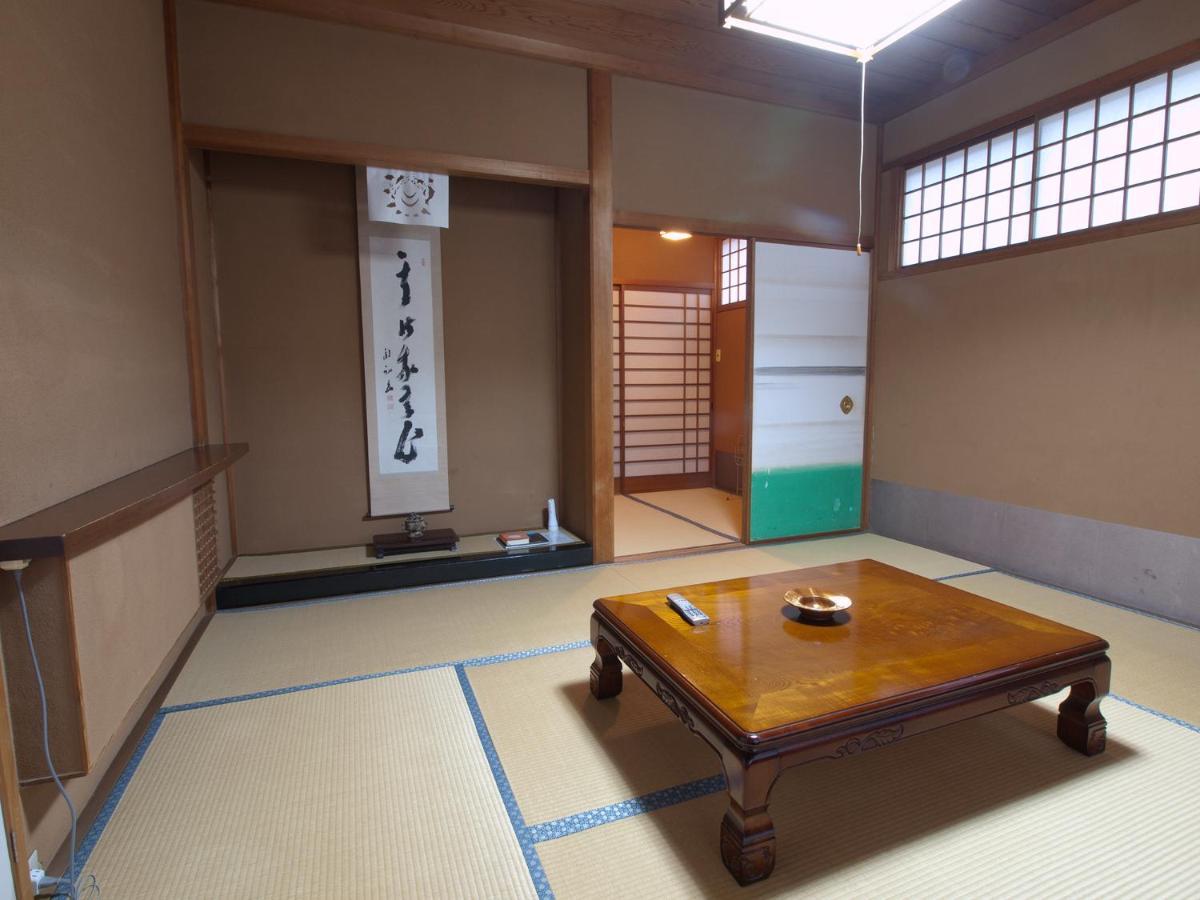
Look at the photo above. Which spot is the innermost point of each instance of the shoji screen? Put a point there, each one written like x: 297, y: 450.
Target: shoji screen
x: 662, y: 351
x: 810, y: 357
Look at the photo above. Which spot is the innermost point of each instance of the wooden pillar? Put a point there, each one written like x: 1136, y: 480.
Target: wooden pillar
x: 187, y: 257
x: 600, y: 227
x: 10, y: 797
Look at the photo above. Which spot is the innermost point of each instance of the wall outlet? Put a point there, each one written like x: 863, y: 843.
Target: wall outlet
x: 34, y: 861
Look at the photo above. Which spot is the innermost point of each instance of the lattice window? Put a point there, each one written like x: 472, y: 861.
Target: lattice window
x: 204, y: 512
x: 735, y: 269
x: 1128, y: 154
x: 662, y: 381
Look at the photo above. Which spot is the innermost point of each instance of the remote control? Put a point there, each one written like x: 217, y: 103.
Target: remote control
x: 687, y: 609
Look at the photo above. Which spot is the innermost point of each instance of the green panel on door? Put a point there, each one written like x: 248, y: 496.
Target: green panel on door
x: 805, y: 500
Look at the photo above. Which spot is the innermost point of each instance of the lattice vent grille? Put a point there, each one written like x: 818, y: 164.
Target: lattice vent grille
x: 204, y: 508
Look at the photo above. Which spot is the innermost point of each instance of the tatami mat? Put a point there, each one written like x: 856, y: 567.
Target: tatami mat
x: 705, y: 506
x: 994, y: 807
x: 376, y: 790
x: 693, y: 569
x: 638, y: 528
x: 425, y: 785
x: 581, y: 753
x: 1153, y: 662
x: 267, y: 648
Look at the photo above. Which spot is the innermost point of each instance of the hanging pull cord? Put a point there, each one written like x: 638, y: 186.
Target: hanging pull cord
x: 862, y: 146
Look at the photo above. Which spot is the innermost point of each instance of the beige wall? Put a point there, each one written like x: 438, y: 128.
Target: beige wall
x: 287, y: 256
x: 645, y: 257
x: 1063, y: 380
x: 687, y: 153
x: 242, y: 68
x: 91, y: 326
x: 1132, y: 34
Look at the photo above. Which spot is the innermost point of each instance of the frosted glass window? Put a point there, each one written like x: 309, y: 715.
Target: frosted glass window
x: 1181, y: 192
x: 1146, y: 130
x: 977, y: 183
x: 1081, y: 118
x: 1108, y: 208
x: 1185, y: 118
x: 952, y: 217
x: 1112, y: 140
x: 1077, y: 183
x: 1113, y: 107
x: 1142, y: 200
x: 1075, y: 215
x: 955, y: 163
x: 1002, y: 147
x: 1050, y: 159
x: 735, y: 269
x: 1150, y: 94
x: 1000, y: 176
x: 1023, y: 169
x: 951, y: 244
x: 1183, y: 155
x: 1019, y: 230
x: 1126, y: 154
x: 1185, y: 82
x: 1079, y: 151
x: 972, y: 241
x: 1110, y: 175
x: 1145, y: 165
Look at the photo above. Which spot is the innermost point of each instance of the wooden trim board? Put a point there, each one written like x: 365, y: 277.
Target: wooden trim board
x: 89, y: 519
x: 354, y: 153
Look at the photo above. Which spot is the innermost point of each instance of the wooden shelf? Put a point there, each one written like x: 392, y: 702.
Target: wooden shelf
x: 89, y: 519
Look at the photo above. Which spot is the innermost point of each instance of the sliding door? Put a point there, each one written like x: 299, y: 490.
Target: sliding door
x: 809, y: 391
x: 662, y: 346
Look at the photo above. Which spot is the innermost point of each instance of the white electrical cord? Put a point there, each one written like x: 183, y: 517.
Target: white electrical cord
x: 862, y: 147
x: 65, y: 886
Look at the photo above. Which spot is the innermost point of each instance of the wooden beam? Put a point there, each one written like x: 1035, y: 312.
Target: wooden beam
x: 600, y: 227
x: 193, y: 336
x: 727, y: 228
x: 354, y: 153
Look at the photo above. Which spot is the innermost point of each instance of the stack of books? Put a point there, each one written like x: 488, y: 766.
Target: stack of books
x: 516, y: 539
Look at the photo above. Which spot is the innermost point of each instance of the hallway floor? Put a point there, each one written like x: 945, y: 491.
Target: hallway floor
x: 676, y: 520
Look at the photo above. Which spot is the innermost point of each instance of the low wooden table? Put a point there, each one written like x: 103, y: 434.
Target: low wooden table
x: 768, y: 691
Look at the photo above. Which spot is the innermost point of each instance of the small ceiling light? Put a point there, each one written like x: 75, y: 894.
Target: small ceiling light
x: 859, y: 29
x: 672, y: 235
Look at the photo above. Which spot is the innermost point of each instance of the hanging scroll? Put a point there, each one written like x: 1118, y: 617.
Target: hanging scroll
x: 401, y: 285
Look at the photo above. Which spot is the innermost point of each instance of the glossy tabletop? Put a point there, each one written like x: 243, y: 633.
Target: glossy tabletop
x: 904, y: 639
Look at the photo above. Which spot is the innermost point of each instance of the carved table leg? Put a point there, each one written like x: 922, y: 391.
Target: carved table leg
x: 747, y: 833
x: 1080, y: 724
x: 606, y: 668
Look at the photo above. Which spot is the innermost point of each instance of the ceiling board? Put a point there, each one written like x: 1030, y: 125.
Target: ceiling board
x: 681, y: 42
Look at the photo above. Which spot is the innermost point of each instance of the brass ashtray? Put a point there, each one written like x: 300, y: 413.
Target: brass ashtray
x: 815, y: 606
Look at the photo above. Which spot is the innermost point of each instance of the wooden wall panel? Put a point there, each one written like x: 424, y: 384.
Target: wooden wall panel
x: 260, y: 71
x: 91, y: 349
x: 697, y: 156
